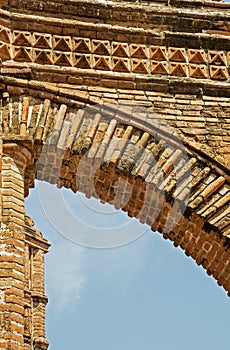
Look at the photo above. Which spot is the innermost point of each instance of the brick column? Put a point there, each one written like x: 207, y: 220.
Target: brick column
x: 36, y: 247
x: 14, y: 159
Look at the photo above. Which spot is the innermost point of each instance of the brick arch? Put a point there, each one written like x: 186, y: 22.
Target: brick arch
x: 89, y: 146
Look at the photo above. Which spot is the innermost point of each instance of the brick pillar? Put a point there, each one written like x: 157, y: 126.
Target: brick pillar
x: 36, y: 247
x: 14, y: 159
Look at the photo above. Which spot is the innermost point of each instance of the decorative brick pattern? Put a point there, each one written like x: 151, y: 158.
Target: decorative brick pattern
x: 101, y: 55
x: 4, y: 44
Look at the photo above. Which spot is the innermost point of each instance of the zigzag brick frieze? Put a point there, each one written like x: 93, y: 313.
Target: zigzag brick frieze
x: 91, y: 54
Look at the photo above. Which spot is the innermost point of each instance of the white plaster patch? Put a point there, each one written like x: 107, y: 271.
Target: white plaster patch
x: 2, y: 295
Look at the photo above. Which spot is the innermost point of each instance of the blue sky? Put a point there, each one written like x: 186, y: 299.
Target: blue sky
x: 145, y: 294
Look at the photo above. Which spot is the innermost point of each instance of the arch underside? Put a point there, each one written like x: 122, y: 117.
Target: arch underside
x: 103, y: 150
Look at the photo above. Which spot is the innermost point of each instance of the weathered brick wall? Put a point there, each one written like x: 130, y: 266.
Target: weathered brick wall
x: 88, y: 93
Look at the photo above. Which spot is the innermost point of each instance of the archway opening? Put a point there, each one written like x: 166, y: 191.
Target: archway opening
x: 128, y: 296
